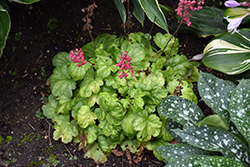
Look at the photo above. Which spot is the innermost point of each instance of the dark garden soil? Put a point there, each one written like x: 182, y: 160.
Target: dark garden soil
x: 26, y: 64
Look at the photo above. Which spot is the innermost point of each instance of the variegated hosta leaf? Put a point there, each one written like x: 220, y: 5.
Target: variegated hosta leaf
x: 240, y: 108
x: 213, y: 139
x: 181, y: 110
x: 215, y: 161
x: 229, y: 53
x: 216, y: 93
x: 171, y: 152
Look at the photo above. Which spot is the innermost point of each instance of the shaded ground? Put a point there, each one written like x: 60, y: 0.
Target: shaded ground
x: 25, y: 66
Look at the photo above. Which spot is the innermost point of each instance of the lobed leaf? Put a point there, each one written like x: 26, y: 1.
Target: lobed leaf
x: 78, y: 73
x: 61, y: 58
x: 49, y: 110
x: 85, y: 117
x: 215, y: 161
x: 95, y: 152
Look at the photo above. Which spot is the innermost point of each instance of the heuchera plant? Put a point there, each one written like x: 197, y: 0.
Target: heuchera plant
x: 108, y: 96
x: 221, y: 139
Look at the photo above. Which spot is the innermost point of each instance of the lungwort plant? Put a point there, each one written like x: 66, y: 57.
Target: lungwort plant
x: 108, y: 96
x: 221, y: 139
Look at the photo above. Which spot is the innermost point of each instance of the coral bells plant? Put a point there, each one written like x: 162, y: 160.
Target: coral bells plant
x: 92, y: 104
x: 185, y: 6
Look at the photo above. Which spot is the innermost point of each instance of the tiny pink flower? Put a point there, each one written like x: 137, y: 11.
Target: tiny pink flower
x: 125, y: 66
x: 77, y: 57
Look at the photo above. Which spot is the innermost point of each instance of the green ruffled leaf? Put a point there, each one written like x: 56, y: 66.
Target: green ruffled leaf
x: 90, y: 84
x: 49, y: 109
x: 91, y: 133
x: 162, y: 40
x: 148, y: 126
x: 137, y: 54
x: 132, y: 145
x: 61, y: 58
x: 104, y: 66
x: 95, y: 152
x: 65, y: 129
x: 61, y: 80
x: 127, y: 125
x: 86, y: 117
x: 78, y: 73
x: 109, y: 129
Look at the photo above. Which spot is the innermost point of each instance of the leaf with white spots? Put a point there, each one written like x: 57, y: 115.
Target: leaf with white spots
x: 216, y: 93
x: 181, y: 110
x: 187, y: 161
x: 215, y: 161
x: 240, y: 108
x: 171, y: 152
x: 171, y: 124
x: 217, y: 140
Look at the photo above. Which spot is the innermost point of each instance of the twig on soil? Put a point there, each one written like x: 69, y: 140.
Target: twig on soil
x: 68, y: 151
x: 49, y: 132
x: 15, y: 52
x: 38, y: 58
x: 28, y: 124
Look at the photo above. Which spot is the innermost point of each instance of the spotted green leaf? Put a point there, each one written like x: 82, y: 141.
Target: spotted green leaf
x: 173, y: 151
x: 181, y: 110
x: 213, y: 139
x: 240, y: 108
x: 189, y: 160
x: 216, y: 93
x: 215, y: 161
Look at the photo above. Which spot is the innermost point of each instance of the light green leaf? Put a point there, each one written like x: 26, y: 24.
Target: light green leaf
x: 104, y: 66
x: 61, y: 80
x: 78, y: 73
x: 215, y: 121
x: 153, y: 11
x: 162, y: 40
x: 137, y: 54
x: 240, y: 108
x: 65, y: 129
x: 49, y: 109
x: 156, y: 143
x: 4, y: 28
x: 127, y: 125
x: 96, y: 153
x: 91, y: 133
x: 179, y: 64
x: 109, y: 129
x: 91, y: 84
x: 86, y: 117
x: 132, y: 145
x: 148, y: 126
x: 61, y: 58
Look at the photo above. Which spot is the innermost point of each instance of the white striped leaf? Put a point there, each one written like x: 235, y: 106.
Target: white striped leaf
x: 229, y: 53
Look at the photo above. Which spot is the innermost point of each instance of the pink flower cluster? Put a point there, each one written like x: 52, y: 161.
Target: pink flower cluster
x: 185, y: 6
x: 77, y: 57
x: 125, y: 66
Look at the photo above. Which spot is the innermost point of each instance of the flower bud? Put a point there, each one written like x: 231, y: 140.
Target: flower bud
x: 231, y: 3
